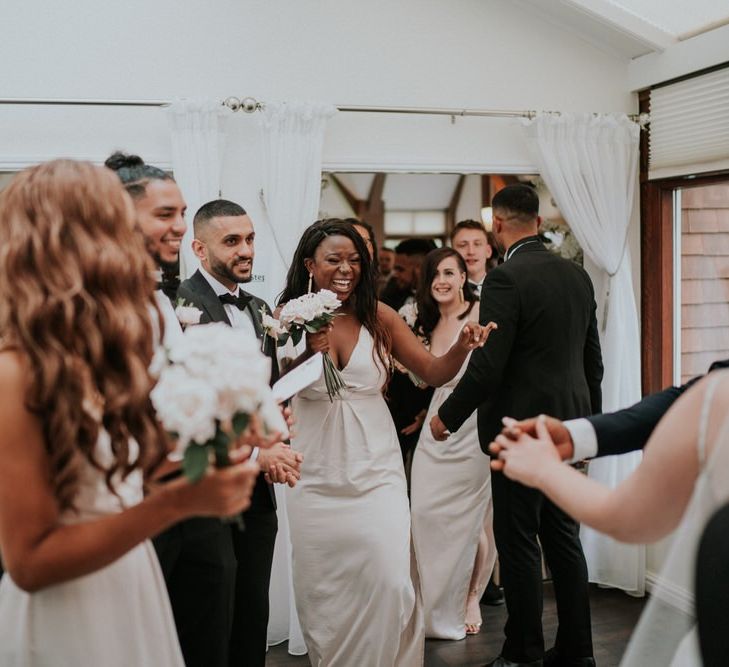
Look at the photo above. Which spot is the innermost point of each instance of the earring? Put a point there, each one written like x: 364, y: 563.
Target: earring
x: 310, y: 278
x: 460, y: 294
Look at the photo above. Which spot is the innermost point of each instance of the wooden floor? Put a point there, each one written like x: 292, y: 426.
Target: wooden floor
x: 614, y: 616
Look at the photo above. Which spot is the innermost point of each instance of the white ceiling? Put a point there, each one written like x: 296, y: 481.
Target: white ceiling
x: 632, y: 28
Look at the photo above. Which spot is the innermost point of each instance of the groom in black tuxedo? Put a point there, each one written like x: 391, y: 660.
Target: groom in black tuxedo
x: 224, y: 244
x: 545, y: 357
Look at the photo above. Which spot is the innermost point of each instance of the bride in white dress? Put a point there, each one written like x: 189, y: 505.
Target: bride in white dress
x: 450, y: 481
x: 82, y: 586
x: 682, y: 480
x: 354, y: 575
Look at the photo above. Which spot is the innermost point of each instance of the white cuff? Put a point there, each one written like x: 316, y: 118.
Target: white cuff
x: 584, y: 439
x: 254, y: 454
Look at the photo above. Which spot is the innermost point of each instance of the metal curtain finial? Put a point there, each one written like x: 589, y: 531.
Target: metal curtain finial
x: 247, y: 104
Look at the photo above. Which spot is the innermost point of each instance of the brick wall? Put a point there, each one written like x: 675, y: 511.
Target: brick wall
x: 704, y: 278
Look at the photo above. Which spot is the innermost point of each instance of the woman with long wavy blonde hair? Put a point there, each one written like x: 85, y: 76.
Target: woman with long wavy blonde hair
x: 77, y: 430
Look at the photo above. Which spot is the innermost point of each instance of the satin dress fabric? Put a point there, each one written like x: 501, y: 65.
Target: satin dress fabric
x: 354, y: 573
x: 117, y: 616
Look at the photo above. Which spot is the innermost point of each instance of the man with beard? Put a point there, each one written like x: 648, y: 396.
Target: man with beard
x: 225, y: 245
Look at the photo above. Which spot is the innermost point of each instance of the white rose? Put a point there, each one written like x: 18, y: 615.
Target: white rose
x: 188, y: 314
x: 185, y: 405
x: 328, y: 300
x: 272, y: 326
x: 409, y: 312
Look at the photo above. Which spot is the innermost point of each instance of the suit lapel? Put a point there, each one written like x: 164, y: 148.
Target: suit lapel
x: 209, y: 301
x: 255, y: 316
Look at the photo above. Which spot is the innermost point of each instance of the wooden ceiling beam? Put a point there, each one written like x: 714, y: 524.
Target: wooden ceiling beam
x: 450, y: 214
x: 356, y: 204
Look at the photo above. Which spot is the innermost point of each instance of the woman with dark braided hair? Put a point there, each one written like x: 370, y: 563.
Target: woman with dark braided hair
x: 78, y: 432
x: 356, y: 593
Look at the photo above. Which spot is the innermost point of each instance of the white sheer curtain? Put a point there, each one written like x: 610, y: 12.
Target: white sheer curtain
x: 589, y: 163
x: 196, y: 161
x: 292, y: 138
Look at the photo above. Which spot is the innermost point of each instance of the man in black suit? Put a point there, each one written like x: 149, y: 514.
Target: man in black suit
x: 619, y: 432
x: 195, y: 555
x: 545, y: 357
x: 224, y: 244
x: 407, y: 403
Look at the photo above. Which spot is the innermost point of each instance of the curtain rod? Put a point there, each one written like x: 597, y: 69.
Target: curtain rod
x: 251, y: 105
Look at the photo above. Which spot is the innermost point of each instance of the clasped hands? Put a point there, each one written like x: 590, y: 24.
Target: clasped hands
x: 525, y: 449
x: 280, y: 463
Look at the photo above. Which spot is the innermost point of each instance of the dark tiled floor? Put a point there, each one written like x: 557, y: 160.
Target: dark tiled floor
x: 614, y: 616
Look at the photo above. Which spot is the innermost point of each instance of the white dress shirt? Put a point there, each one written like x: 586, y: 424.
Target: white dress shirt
x: 239, y: 319
x: 584, y: 439
x: 173, y: 328
x: 477, y: 286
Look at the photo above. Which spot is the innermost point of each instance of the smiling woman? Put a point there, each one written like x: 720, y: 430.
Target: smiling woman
x: 349, y: 515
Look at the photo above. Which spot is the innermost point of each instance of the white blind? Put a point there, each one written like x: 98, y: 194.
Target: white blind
x: 689, y: 129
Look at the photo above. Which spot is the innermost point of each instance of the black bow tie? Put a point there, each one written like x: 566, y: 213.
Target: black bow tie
x: 240, y: 301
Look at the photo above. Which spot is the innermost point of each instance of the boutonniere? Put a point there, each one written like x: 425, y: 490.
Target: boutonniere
x: 271, y: 327
x: 187, y: 313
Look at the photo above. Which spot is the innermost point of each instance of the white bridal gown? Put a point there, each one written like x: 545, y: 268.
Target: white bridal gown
x: 666, y: 633
x: 450, y: 489
x: 350, y: 526
x: 118, y: 616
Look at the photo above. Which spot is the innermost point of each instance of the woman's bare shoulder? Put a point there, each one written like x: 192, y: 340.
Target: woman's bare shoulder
x: 385, y: 313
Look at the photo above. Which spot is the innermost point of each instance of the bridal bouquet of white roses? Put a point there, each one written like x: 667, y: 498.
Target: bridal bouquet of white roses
x: 310, y: 313
x: 211, y: 382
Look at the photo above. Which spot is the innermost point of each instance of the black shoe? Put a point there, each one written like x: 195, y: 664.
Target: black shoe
x: 493, y: 596
x: 552, y: 659
x: 503, y: 662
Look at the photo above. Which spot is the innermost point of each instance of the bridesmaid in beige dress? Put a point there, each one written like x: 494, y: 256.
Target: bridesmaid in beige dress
x: 354, y: 576
x: 82, y: 586
x: 450, y: 482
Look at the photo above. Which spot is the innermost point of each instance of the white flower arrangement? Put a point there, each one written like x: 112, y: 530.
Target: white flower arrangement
x: 561, y: 240
x: 187, y: 313
x: 210, y: 384
x: 309, y: 313
x: 409, y: 312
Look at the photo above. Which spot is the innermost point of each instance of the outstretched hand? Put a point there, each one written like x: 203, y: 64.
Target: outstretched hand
x: 475, y: 335
x: 525, y: 459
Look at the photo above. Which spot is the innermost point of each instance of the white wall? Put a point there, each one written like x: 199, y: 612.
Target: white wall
x: 471, y: 53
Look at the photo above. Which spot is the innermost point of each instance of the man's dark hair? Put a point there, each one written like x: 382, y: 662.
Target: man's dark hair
x: 521, y: 201
x: 134, y: 173
x: 384, y: 248
x: 218, y: 208
x: 469, y: 224
x: 412, y: 247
